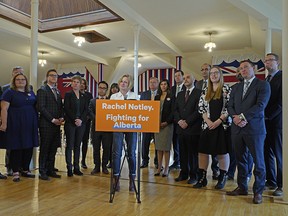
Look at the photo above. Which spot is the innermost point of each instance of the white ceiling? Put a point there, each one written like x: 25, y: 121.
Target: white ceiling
x: 168, y: 28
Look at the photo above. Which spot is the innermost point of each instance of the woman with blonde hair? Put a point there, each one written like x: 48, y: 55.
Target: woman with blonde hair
x: 213, y: 139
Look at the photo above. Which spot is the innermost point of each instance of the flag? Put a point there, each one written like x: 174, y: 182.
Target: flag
x: 64, y: 82
x: 229, y: 70
x: 143, y: 79
x: 92, y: 83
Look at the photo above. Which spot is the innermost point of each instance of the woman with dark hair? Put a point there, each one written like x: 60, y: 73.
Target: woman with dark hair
x: 114, y: 88
x: 75, y: 108
x: 163, y: 139
x: 88, y: 96
x: 20, y: 123
x: 213, y: 140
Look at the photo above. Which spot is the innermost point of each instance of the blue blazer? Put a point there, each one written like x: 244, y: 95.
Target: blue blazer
x: 252, y: 106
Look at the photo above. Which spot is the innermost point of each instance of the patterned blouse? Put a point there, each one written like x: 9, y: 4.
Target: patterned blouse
x: 204, y: 106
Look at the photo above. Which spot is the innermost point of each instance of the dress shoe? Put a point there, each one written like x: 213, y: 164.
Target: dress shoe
x: 54, y: 175
x: 3, y: 176
x: 27, y: 174
x: 16, y: 177
x: 105, y: 170
x: 165, y: 175
x: 157, y: 174
x: 69, y: 173
x: 257, y: 198
x: 181, y: 178
x: 278, y: 192
x: 44, y: 177
x: 238, y: 191
x: 191, y: 181
x: 77, y: 172
x: 95, y: 171
x: 144, y: 165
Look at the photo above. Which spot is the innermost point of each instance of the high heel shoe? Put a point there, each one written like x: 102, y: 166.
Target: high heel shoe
x: 157, y: 174
x: 16, y: 177
x: 165, y: 175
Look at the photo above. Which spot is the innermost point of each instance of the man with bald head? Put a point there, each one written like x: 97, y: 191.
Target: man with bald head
x: 188, y: 129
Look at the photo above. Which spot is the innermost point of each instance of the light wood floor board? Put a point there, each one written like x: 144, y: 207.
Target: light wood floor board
x: 89, y: 195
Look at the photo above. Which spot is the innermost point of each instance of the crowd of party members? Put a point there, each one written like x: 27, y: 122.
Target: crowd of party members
x: 237, y: 125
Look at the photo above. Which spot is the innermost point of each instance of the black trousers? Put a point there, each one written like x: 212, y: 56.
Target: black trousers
x: 74, y: 137
x: 272, y: 151
x: 189, y: 155
x: 50, y: 139
x: 146, y: 140
x: 20, y: 158
x: 106, y: 139
x: 85, y: 141
x: 176, y: 150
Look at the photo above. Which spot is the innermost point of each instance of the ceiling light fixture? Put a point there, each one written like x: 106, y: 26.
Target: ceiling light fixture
x: 79, y: 39
x: 210, y: 45
x: 42, y: 61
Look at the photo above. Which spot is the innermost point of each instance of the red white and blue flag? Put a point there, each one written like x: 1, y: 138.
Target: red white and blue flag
x: 143, y: 79
x: 230, y: 69
x: 64, y: 82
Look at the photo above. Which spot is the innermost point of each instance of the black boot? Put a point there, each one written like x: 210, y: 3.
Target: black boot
x: 131, y: 183
x: 221, y: 180
x: 116, y: 179
x: 202, y: 180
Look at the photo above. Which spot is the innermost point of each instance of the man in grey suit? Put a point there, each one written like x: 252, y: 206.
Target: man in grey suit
x: 202, y: 85
x: 246, y: 106
x: 147, y: 137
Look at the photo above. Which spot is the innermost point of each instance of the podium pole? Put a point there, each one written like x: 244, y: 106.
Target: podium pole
x: 138, y: 165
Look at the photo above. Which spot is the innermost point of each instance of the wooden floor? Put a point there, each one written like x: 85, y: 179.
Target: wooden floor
x: 89, y: 195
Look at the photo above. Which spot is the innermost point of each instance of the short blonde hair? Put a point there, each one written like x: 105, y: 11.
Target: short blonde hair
x: 130, y: 79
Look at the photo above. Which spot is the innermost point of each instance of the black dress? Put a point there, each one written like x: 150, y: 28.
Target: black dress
x: 214, y: 142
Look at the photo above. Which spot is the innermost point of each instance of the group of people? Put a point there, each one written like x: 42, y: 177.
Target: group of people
x: 236, y: 125
x: 239, y: 124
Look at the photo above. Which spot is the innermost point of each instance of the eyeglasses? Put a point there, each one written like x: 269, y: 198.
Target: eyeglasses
x: 20, y: 79
x: 53, y: 75
x: 269, y: 60
x: 214, y: 73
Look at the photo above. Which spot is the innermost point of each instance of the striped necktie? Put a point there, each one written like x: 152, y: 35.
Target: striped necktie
x: 246, y: 86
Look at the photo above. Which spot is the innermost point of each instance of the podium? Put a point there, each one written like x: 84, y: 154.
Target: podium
x: 128, y: 116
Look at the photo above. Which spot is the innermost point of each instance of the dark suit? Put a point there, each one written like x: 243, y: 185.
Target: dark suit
x: 49, y: 108
x: 214, y: 164
x: 175, y: 140
x: 252, y: 135
x: 147, y: 137
x: 189, y: 137
x: 85, y: 138
x: 73, y: 133
x: 98, y: 137
x: 167, y: 114
x: 273, y: 141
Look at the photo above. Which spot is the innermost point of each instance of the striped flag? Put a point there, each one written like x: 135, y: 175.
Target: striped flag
x: 92, y: 83
x: 143, y: 79
x: 64, y: 82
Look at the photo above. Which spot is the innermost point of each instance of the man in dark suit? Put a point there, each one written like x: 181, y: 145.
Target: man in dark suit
x: 177, y: 88
x: 202, y: 85
x: 188, y: 129
x: 98, y: 137
x: 246, y: 106
x: 49, y: 104
x: 147, y: 137
x: 273, y: 121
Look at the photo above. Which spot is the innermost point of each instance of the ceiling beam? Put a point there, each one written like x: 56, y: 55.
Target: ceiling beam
x: 126, y: 12
x: 25, y: 33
